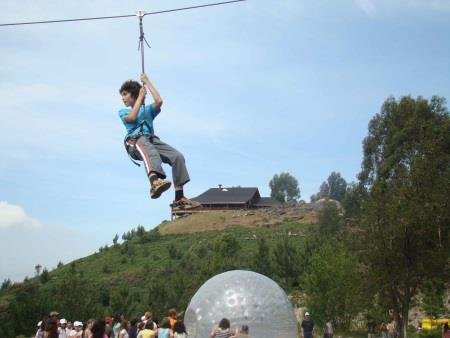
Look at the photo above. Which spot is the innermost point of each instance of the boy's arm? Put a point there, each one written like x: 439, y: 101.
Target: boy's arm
x: 131, y: 117
x: 156, y: 97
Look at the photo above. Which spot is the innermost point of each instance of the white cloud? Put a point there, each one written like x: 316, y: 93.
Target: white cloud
x: 14, y: 216
x: 26, y: 241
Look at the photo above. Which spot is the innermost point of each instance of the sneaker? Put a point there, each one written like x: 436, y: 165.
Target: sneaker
x: 158, y: 187
x: 184, y: 204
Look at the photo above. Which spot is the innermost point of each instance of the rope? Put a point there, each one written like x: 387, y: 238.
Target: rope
x: 118, y: 16
x: 194, y: 7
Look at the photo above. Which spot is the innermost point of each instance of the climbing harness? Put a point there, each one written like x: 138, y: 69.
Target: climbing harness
x: 130, y: 140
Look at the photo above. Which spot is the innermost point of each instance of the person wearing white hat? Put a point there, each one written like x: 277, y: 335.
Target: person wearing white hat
x: 62, y: 333
x: 308, y: 326
x: 78, y: 329
x: 40, y: 330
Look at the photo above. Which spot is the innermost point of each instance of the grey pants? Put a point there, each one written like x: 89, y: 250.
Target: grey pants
x: 153, y: 152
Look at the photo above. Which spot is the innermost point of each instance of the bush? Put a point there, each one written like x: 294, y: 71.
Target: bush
x: 44, y: 277
x: 435, y: 333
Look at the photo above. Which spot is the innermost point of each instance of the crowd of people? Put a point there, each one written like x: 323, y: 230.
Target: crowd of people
x: 387, y: 330
x: 173, y: 327
x: 390, y: 329
x: 118, y: 327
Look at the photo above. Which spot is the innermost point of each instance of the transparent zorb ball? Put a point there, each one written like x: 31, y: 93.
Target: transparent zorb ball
x: 244, y: 298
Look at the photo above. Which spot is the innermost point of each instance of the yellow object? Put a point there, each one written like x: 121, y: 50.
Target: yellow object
x: 430, y: 324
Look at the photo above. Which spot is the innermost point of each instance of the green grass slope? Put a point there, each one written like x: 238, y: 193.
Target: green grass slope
x: 151, y: 271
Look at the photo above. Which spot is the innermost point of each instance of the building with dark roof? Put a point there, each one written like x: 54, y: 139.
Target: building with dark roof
x: 234, y: 198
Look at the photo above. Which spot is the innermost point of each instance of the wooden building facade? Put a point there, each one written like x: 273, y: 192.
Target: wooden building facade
x: 235, y: 198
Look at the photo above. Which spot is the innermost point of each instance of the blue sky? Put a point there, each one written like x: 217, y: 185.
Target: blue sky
x: 250, y: 90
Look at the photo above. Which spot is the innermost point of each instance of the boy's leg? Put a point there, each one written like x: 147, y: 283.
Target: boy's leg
x: 175, y: 159
x: 180, y: 174
x: 149, y: 154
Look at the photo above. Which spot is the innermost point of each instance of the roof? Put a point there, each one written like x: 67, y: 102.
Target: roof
x: 227, y: 195
x: 267, y: 202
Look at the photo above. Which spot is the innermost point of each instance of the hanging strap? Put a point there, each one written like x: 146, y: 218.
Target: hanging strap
x: 142, y: 39
x: 140, y: 126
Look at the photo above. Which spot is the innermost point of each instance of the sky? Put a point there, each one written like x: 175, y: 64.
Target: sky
x: 250, y: 90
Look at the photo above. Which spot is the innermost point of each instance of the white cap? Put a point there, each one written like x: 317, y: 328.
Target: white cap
x: 63, y: 321
x: 306, y: 313
x: 40, y: 323
x: 77, y: 323
x: 143, y: 318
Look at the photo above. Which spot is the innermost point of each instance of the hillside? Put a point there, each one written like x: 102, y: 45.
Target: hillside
x: 221, y: 220
x: 157, y: 269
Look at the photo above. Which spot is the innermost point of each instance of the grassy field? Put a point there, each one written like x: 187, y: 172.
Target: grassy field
x: 145, y: 271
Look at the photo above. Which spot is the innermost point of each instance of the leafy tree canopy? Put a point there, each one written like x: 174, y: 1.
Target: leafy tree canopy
x: 334, y: 187
x: 284, y: 188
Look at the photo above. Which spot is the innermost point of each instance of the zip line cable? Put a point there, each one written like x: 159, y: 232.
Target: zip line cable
x: 194, y: 7
x: 120, y: 16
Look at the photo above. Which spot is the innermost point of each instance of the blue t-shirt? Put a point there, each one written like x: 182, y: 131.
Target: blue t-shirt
x: 148, y: 116
x: 163, y: 333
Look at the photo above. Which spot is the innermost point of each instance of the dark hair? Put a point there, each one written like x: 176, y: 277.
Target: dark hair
x: 446, y: 327
x: 179, y: 327
x: 224, y: 323
x: 244, y: 329
x: 118, y: 317
x: 124, y: 324
x: 165, y: 323
x: 149, y: 325
x: 98, y: 329
x: 51, y: 327
x: 172, y: 312
x: 132, y: 87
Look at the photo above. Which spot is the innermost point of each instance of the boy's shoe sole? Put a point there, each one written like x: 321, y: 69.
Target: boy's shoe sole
x: 158, y: 188
x: 185, y: 204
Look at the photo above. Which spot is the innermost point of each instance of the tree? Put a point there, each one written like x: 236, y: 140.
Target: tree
x: 332, y: 284
x: 286, y: 262
x: 405, y: 213
x: 227, y: 245
x: 352, y: 201
x: 433, y: 298
x: 261, y: 259
x: 5, y: 285
x: 115, y: 239
x: 44, y: 277
x: 77, y: 295
x: 226, y: 252
x: 140, y: 231
x: 334, y: 187
x: 38, y: 268
x: 284, y: 188
x: 330, y: 221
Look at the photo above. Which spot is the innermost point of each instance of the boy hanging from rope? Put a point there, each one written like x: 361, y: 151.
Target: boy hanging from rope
x: 142, y: 144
